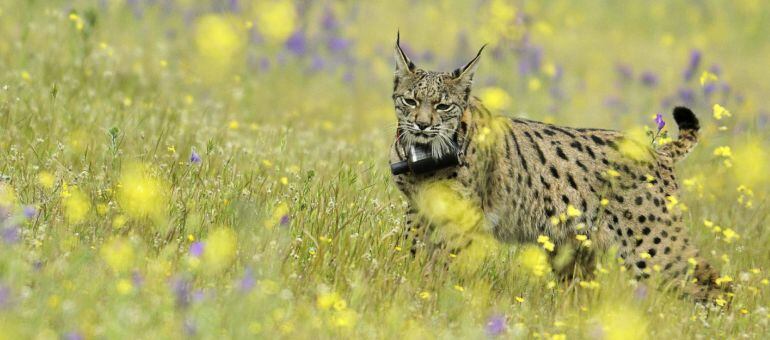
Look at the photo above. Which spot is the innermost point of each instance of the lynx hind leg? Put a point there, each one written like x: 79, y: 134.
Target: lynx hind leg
x: 570, y: 261
x: 704, y: 285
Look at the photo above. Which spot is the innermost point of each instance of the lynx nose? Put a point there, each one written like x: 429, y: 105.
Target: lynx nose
x: 422, y: 125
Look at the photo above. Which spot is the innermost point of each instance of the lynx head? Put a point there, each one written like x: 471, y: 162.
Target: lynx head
x: 429, y: 105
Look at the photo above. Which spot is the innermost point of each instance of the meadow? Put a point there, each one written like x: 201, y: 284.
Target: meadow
x: 219, y: 169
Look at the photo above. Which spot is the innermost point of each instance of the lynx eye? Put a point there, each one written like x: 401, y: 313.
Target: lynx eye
x: 409, y: 101
x: 443, y: 107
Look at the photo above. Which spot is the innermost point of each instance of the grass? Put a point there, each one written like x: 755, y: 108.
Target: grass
x: 103, y: 105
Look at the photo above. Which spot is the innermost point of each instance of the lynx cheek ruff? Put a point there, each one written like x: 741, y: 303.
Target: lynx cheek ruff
x: 419, y: 160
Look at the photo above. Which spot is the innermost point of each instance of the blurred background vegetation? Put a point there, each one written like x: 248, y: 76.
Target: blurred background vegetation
x: 219, y: 168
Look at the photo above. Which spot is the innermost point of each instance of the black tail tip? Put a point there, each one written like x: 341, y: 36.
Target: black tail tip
x: 685, y: 118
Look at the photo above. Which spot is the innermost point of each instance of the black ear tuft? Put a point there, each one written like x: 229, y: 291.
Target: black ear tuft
x: 685, y: 118
x: 403, y: 63
x: 466, y: 72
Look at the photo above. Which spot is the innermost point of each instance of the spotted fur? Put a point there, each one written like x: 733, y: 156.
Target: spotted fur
x: 533, y: 172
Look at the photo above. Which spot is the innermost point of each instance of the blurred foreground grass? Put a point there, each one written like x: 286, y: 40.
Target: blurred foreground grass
x: 219, y: 169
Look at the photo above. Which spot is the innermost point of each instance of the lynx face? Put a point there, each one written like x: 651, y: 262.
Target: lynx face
x: 429, y: 105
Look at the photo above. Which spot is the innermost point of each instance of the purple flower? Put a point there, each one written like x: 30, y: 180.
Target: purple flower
x: 196, y: 248
x: 297, y: 43
x: 686, y: 95
x: 495, y: 325
x: 337, y: 44
x: 74, y: 335
x: 692, y: 66
x: 247, y: 281
x: 5, y: 296
x: 10, y: 234
x: 195, y: 158
x: 137, y: 279
x: 659, y: 120
x: 181, y: 289
x: 285, y: 219
x: 649, y: 79
x: 709, y: 89
x: 624, y: 71
x: 29, y: 211
x: 329, y: 21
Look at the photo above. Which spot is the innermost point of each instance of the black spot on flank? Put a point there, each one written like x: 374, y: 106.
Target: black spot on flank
x: 656, y: 201
x: 537, y: 147
x: 627, y: 214
x: 641, y: 219
x: 629, y: 232
x: 641, y: 264
x: 612, y: 145
x: 581, y: 165
x: 576, y: 145
x: 597, y: 140
x: 646, y: 230
x: 590, y: 152
x: 638, y: 200
x: 560, y: 153
x: 620, y: 198
x: 565, y: 199
x: 625, y: 244
x: 545, y: 184
x: 638, y: 242
x: 571, y: 181
x: 554, y: 172
x: 538, y: 134
x: 667, y: 250
x: 664, y: 234
x: 652, y: 252
x: 656, y: 240
x: 549, y: 132
x: 521, y: 157
x: 619, y: 232
x: 563, y: 131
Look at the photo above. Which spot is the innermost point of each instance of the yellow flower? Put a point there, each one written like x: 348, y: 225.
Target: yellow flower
x: 124, y: 287
x: 723, y: 151
x: 221, y: 247
x: 218, y: 39
x: 276, y: 20
x: 613, y: 173
x: 285, y: 180
x: 459, y: 288
x: 45, y: 179
x: 604, y: 202
x: 707, y: 77
x: 76, y: 205
x: 519, y: 299
x: 720, y: 112
x: 141, y: 195
x: 547, y: 244
x: 692, y: 262
x: 233, y: 125
x: 425, y: 295
x: 724, y: 279
x: 534, y: 260
x: 495, y: 98
x: 581, y: 237
x: 327, y: 300
x: 645, y: 255
x: 730, y: 235
x: 572, y: 211
x: 118, y: 253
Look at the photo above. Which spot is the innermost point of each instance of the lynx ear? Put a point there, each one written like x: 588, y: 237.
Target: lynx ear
x: 403, y: 64
x: 465, y: 73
